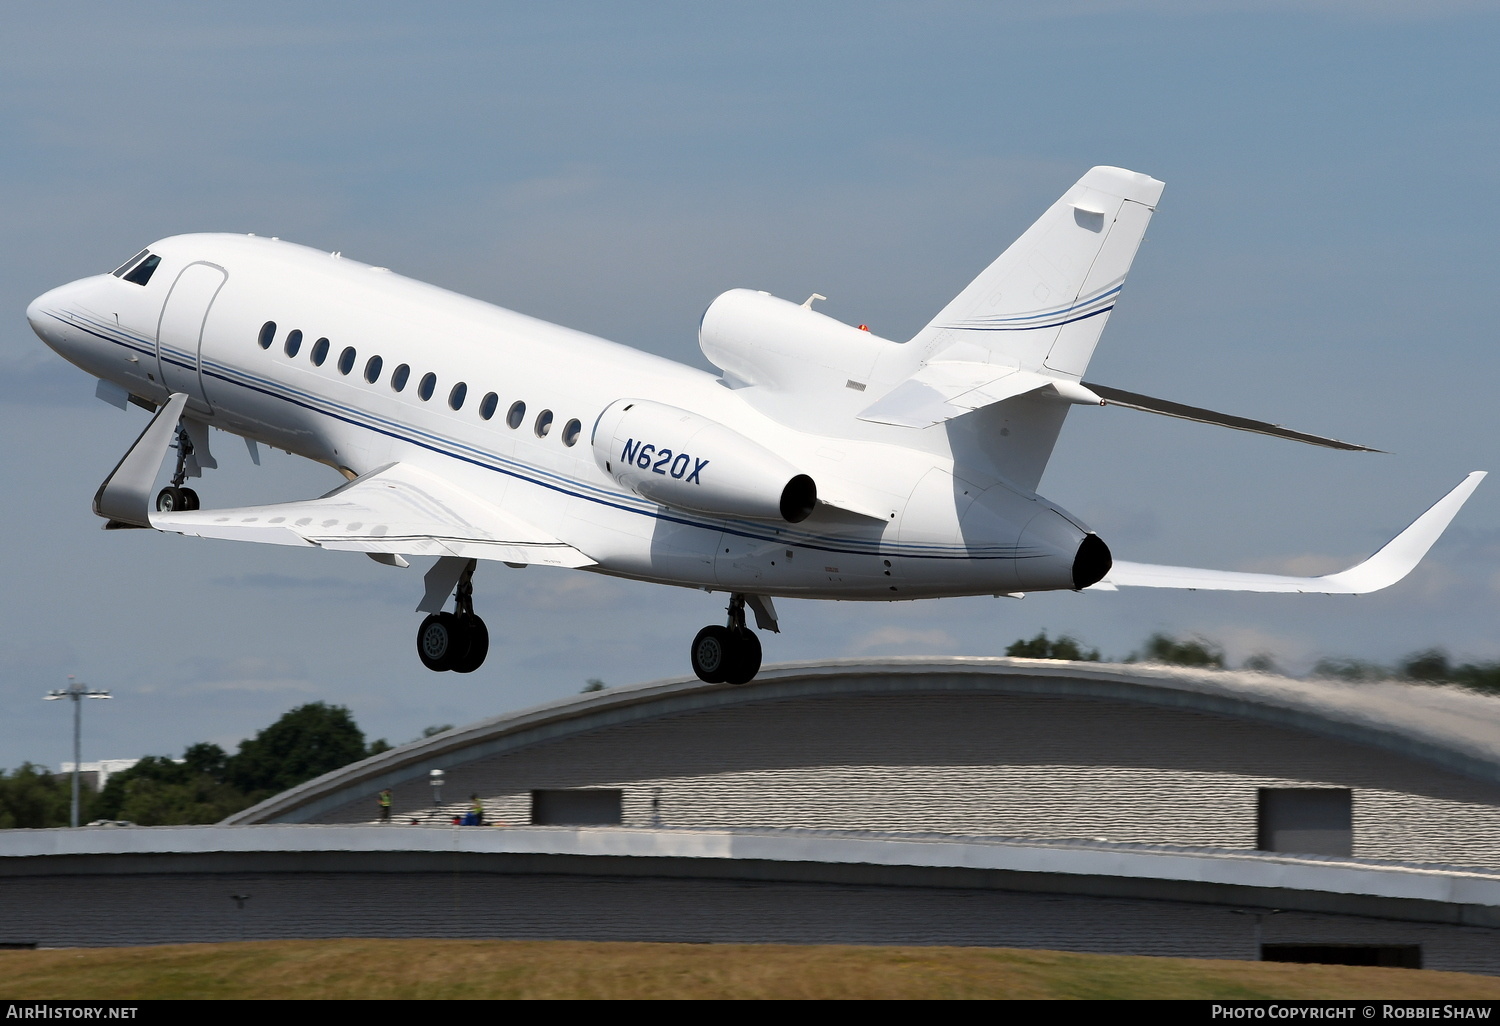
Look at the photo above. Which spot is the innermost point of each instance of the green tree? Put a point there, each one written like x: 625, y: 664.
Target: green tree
x: 159, y: 791
x: 1355, y: 670
x: 1160, y: 648
x: 593, y: 684
x: 1429, y: 666
x: 304, y: 743
x: 1042, y: 647
x: 1432, y: 666
x: 32, y: 797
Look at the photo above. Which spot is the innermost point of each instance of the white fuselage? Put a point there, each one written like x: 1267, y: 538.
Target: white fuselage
x: 921, y: 526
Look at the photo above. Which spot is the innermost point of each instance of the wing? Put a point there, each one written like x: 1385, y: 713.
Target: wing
x: 1393, y: 562
x: 398, y: 509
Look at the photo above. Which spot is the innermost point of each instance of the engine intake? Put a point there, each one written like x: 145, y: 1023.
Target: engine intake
x: 688, y: 462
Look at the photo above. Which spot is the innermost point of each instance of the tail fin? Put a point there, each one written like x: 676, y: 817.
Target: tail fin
x: 1041, y: 305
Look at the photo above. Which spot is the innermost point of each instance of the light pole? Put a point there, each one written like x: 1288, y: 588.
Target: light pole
x: 435, y: 778
x: 77, y: 690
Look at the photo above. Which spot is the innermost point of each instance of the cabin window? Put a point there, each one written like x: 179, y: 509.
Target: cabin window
x: 127, y: 265
x: 267, y: 334
x: 543, y: 423
x: 319, y: 352
x: 488, y: 405
x: 517, y: 414
x: 428, y: 383
x: 570, y: 432
x: 293, y: 341
x: 346, y: 360
x: 456, y: 397
x: 144, y: 270
x: 399, y: 376
x: 372, y: 369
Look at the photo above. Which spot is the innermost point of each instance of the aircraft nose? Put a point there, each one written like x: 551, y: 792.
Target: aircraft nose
x: 41, y: 311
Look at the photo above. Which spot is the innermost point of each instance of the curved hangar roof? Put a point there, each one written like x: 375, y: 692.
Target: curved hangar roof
x: 1445, y: 728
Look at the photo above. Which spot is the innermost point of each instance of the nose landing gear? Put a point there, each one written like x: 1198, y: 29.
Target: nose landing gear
x: 456, y: 641
x: 174, y: 497
x: 728, y: 654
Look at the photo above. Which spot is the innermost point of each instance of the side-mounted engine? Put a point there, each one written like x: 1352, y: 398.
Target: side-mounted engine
x: 688, y: 462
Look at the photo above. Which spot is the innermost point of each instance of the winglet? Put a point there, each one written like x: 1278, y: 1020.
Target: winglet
x: 1402, y: 553
x: 124, y: 499
x: 1393, y: 562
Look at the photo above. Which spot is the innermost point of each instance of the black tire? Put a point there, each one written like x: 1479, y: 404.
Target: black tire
x: 170, y: 500
x: 441, y: 642
x: 745, y: 653
x: 712, y: 654
x: 479, y: 645
x: 189, y: 498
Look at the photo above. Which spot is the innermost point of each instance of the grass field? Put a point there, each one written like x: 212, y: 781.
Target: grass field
x: 578, y: 969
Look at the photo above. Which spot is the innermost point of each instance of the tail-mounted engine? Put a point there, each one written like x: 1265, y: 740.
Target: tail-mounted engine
x: 680, y: 459
x: 758, y: 339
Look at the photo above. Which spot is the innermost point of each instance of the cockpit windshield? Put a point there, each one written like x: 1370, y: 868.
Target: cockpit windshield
x: 119, y: 272
x: 143, y: 271
x: 139, y: 268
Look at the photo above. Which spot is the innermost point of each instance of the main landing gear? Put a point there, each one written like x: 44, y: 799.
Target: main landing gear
x: 729, y: 654
x: 174, y: 497
x: 456, y: 641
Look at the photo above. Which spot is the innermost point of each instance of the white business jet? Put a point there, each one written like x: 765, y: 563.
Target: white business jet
x: 821, y: 462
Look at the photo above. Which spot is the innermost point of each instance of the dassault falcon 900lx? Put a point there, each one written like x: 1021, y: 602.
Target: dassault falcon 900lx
x: 822, y: 462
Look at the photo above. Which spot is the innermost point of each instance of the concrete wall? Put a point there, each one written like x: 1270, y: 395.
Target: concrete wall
x: 978, y: 764
x: 466, y: 901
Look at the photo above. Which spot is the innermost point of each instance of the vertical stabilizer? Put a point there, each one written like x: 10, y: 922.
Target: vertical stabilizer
x: 1042, y: 304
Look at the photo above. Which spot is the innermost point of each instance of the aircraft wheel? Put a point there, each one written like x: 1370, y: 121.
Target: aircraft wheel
x: 745, y: 651
x: 170, y: 499
x: 712, y: 654
x: 189, y: 498
x: 440, y: 642
x: 478, y: 636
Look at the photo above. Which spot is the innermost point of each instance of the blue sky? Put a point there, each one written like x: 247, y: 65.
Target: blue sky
x: 1323, y: 257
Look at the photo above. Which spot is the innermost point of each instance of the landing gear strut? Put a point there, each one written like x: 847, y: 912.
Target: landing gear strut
x: 456, y: 641
x: 174, y: 497
x: 729, y: 654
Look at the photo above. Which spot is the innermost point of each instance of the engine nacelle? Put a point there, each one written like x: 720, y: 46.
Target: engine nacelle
x: 757, y: 339
x: 689, y: 462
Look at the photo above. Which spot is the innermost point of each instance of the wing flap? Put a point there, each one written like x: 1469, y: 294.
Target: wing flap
x: 398, y: 509
x: 1395, y: 560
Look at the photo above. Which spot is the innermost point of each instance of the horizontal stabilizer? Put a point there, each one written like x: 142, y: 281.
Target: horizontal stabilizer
x: 944, y: 389
x: 398, y: 509
x: 1393, y: 562
x: 1135, y: 401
